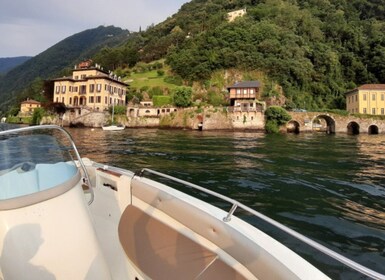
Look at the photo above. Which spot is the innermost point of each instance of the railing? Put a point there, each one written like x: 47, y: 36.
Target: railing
x: 235, y: 204
x: 232, y: 109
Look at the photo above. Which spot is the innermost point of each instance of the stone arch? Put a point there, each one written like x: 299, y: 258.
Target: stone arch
x: 292, y: 127
x: 353, y: 128
x: 330, y: 123
x: 373, y: 129
x: 131, y: 112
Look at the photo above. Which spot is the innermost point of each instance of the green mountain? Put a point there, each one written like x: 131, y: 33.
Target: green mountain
x: 56, y: 60
x: 315, y: 50
x: 7, y: 63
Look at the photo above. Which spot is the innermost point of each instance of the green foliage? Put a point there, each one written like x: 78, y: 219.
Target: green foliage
x: 275, y: 117
x: 38, y: 115
x: 155, y: 91
x: 176, y: 80
x: 161, y: 100
x: 118, y: 110
x: 182, y: 97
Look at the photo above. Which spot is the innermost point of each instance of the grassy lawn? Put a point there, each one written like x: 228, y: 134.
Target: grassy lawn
x: 150, y: 79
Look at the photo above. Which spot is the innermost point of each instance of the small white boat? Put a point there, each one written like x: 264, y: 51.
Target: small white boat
x: 63, y: 217
x: 113, y: 127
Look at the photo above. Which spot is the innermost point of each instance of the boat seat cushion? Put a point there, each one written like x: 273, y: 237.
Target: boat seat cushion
x: 163, y: 253
x: 43, y: 176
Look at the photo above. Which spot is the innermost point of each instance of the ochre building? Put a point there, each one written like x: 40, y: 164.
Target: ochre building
x: 90, y: 87
x: 28, y: 106
x: 366, y: 99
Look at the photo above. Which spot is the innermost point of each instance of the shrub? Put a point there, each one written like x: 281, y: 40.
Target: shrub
x: 182, y: 97
x: 161, y: 100
x: 275, y: 117
x: 38, y: 115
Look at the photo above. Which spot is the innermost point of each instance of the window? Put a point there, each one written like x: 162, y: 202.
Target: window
x: 91, y: 99
x: 63, y: 89
x: 92, y: 87
x: 382, y: 111
x: 373, y: 97
x: 356, y: 97
x: 83, y: 76
x: 245, y: 91
x: 83, y: 89
x: 98, y: 99
x: 238, y: 91
x: 57, y: 89
x: 76, y: 77
x: 373, y: 111
x: 105, y: 100
x: 364, y: 110
x: 382, y: 97
x: 98, y: 87
x: 252, y: 91
x: 70, y: 100
x: 62, y: 100
x: 364, y: 96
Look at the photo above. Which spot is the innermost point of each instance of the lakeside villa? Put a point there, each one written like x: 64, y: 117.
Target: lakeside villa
x: 366, y: 99
x: 90, y: 88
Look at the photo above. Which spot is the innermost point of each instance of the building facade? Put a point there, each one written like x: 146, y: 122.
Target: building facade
x: 28, y: 106
x: 244, y: 96
x: 366, y: 99
x: 231, y: 16
x: 90, y: 87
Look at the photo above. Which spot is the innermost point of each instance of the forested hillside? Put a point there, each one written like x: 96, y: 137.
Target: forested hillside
x: 27, y: 78
x: 315, y: 49
x: 7, y: 63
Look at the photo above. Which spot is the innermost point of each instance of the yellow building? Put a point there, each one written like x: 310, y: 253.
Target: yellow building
x: 366, y: 99
x: 28, y: 106
x: 90, y: 87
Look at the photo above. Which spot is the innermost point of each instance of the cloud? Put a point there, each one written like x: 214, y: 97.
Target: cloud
x: 29, y: 27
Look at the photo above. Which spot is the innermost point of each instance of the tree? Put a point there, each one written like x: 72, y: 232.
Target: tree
x: 182, y: 97
x: 275, y: 117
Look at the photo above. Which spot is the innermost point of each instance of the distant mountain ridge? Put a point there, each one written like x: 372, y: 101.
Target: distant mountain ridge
x: 8, y: 63
x: 56, y: 60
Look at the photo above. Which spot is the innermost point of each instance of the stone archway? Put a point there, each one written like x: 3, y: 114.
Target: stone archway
x: 353, y: 128
x: 329, y: 124
x: 292, y: 127
x: 373, y: 129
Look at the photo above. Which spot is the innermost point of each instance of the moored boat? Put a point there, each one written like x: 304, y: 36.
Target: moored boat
x: 113, y: 127
x: 70, y: 218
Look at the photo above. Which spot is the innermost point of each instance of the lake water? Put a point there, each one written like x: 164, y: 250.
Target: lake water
x: 331, y: 188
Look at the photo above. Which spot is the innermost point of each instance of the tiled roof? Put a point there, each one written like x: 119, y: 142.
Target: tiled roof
x: 372, y: 86
x: 246, y: 84
x: 30, y: 101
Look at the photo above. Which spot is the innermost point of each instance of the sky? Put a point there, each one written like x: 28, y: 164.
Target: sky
x: 29, y: 27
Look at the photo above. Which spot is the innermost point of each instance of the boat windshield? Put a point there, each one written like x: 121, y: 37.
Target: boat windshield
x: 33, y: 161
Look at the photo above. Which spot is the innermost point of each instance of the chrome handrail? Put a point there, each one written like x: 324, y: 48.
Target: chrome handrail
x: 52, y: 127
x: 342, y: 259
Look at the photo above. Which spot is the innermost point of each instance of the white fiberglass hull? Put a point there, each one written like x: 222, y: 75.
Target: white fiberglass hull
x: 112, y: 127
